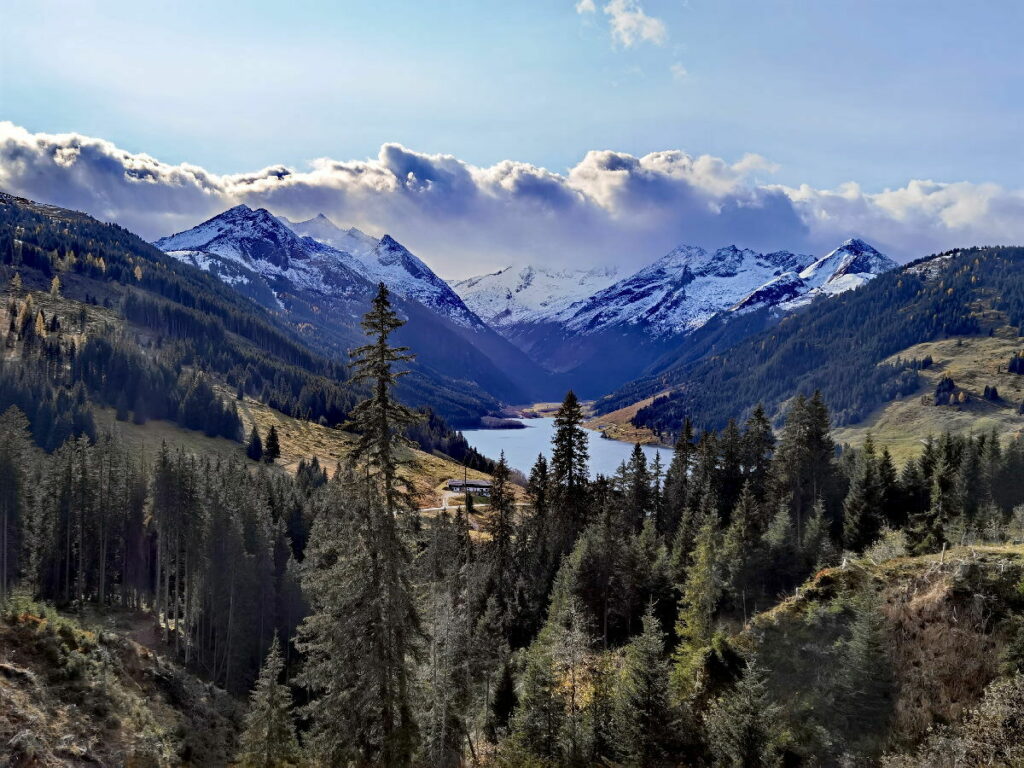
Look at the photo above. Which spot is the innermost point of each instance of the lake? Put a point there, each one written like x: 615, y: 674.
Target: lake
x: 521, y: 446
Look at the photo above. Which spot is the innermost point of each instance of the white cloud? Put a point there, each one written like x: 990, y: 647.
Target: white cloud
x: 630, y: 25
x: 678, y: 71
x: 611, y: 207
x: 586, y: 6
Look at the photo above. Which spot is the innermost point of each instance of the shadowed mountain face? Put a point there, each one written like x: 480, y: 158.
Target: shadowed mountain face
x: 324, y: 290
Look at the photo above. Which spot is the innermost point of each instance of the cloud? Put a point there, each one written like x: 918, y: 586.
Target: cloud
x: 678, y: 71
x: 586, y: 6
x: 610, y: 208
x: 630, y: 25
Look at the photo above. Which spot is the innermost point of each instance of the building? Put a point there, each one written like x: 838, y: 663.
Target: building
x: 474, y: 487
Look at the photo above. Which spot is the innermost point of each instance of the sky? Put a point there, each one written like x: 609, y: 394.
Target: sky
x: 568, y: 132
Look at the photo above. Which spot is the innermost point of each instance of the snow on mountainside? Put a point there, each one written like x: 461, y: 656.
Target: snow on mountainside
x: 682, y: 290
x: 849, y: 266
x: 512, y: 296
x: 313, y: 255
x: 386, y: 261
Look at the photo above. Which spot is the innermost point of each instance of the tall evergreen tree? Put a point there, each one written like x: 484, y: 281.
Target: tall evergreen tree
x: 254, y: 448
x: 742, y: 725
x: 272, y: 450
x: 643, y: 715
x: 862, y: 507
x: 569, y: 471
x: 359, y: 640
x: 268, y: 740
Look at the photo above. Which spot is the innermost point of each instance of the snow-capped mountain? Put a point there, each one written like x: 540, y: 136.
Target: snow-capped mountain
x: 385, y: 261
x: 511, y: 296
x: 617, y: 332
x: 682, y: 290
x: 315, y: 254
x: 326, y: 289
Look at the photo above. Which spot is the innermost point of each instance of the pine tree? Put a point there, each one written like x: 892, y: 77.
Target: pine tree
x: 55, y: 286
x: 862, y: 506
x: 741, y: 725
x: 569, y: 473
x: 643, y: 716
x: 268, y: 740
x: 360, y: 638
x: 254, y: 448
x: 380, y: 420
x: 272, y: 450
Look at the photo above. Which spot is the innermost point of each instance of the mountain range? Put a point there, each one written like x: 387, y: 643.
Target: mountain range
x: 515, y: 335
x: 323, y: 291
x: 623, y: 327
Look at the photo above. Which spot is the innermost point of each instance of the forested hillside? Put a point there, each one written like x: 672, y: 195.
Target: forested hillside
x: 183, y: 316
x: 841, y: 346
x: 644, y: 619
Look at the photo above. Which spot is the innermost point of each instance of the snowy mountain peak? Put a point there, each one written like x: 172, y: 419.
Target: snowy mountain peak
x: 513, y: 296
x: 315, y: 254
x: 851, y: 264
x: 685, y: 288
x: 243, y: 235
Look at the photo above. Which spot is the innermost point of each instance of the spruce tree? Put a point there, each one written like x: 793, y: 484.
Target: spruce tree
x: 742, y: 724
x: 862, y: 506
x: 272, y: 450
x: 864, y: 682
x: 268, y: 740
x: 569, y: 473
x: 740, y: 550
x: 380, y: 420
x: 254, y: 448
x: 697, y: 608
x: 643, y: 716
x: 677, y: 482
x: 359, y: 640
x: 14, y: 451
x: 638, y: 489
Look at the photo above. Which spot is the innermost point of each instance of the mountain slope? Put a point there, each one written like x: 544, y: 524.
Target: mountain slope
x: 841, y: 346
x: 623, y: 330
x: 325, y: 291
x: 512, y: 297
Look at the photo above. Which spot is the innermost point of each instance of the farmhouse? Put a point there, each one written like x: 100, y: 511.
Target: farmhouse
x: 475, y: 487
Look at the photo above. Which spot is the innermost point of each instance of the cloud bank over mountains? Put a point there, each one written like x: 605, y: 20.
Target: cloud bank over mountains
x: 610, y: 208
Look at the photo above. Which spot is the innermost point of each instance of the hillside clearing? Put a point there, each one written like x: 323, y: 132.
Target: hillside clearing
x: 973, y: 362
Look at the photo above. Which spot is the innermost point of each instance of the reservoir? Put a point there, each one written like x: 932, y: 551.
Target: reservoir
x: 521, y: 447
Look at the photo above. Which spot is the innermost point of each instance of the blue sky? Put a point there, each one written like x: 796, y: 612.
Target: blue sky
x: 876, y: 92
x: 830, y: 92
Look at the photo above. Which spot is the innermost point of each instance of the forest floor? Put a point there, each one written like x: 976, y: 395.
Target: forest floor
x: 83, y: 692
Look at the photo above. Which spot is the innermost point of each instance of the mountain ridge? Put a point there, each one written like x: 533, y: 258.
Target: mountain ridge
x: 326, y: 290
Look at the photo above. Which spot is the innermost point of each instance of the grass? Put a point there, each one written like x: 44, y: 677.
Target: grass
x: 299, y: 440
x: 973, y: 362
x: 618, y: 425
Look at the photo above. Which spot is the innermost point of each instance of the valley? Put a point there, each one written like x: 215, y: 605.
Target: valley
x: 204, y: 498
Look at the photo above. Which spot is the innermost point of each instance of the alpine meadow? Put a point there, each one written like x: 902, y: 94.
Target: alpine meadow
x: 597, y: 384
